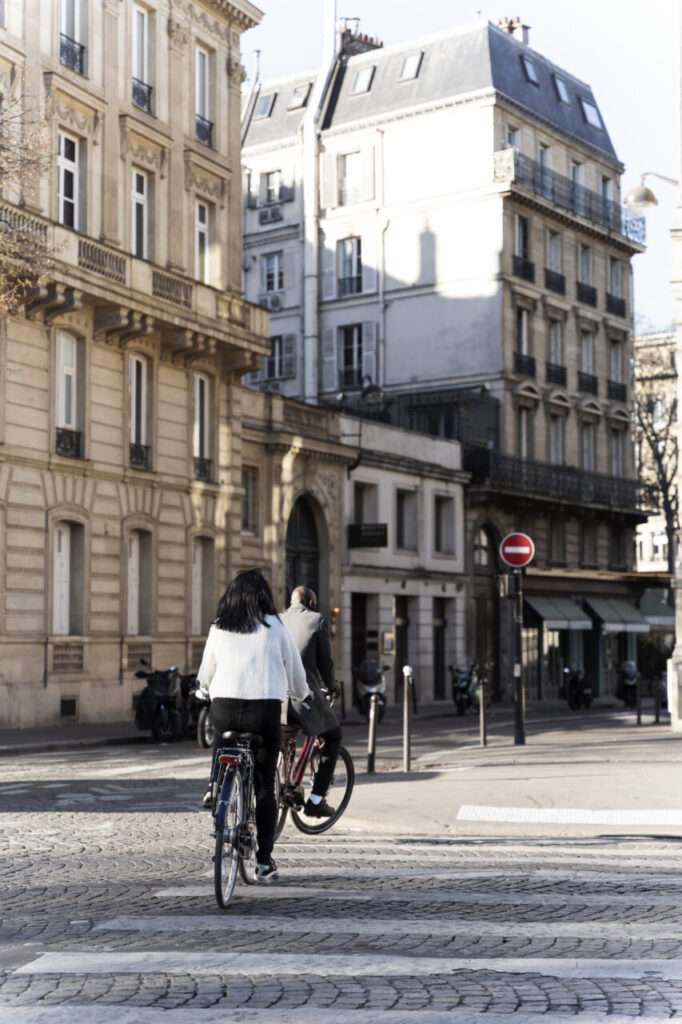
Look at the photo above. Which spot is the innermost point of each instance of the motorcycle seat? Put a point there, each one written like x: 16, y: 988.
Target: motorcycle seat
x: 243, y: 739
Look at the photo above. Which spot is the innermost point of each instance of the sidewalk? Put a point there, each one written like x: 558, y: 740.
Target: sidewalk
x: 68, y: 737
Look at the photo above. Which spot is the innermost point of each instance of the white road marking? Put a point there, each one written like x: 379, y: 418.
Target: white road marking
x: 382, y: 926
x: 280, y: 965
x: 568, y: 816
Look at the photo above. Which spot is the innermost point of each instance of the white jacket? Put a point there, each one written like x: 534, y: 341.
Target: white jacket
x: 264, y: 665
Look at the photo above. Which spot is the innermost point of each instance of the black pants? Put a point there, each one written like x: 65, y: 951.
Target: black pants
x: 262, y: 718
x: 328, y: 759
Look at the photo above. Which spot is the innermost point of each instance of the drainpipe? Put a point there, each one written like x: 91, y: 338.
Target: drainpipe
x: 381, y: 271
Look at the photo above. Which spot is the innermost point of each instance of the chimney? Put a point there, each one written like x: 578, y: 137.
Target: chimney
x: 516, y: 28
x: 353, y: 41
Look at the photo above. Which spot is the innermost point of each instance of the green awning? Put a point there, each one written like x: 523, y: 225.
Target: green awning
x: 657, y: 606
x: 618, y: 615
x: 559, y: 613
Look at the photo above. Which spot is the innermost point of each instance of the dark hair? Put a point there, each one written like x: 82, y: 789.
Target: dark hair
x: 305, y: 596
x: 245, y: 603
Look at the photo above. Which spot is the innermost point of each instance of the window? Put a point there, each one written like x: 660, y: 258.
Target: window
x: 545, y: 161
x: 555, y: 352
x: 249, y: 499
x: 561, y: 89
x: 513, y: 136
x: 349, y: 256
x: 411, y: 66
x: 615, y: 277
x: 530, y: 71
x: 588, y: 444
x: 616, y: 361
x: 363, y: 80
x: 585, y: 264
x: 203, y: 585
x: 617, y: 547
x: 273, y: 184
x: 587, y: 352
x: 202, y: 96
x: 444, y: 525
x: 67, y: 579
x: 139, y: 580
x: 281, y: 363
x: 522, y: 336
x: 522, y: 237
x: 365, y: 502
x: 201, y: 434
x: 588, y: 544
x: 138, y: 377
x: 350, y: 176
x: 69, y: 404
x: 265, y: 105
x: 607, y: 189
x: 351, y: 355
x: 406, y: 520
x: 202, y: 261
x: 141, y: 89
x: 557, y: 541
x: 140, y: 212
x: 617, y: 453
x: 590, y: 113
x: 299, y: 97
x: 71, y: 37
x: 557, y: 439
x: 577, y: 172
x: 68, y: 175
x: 554, y: 251
x: 482, y: 552
x: 272, y: 272
x: 524, y: 431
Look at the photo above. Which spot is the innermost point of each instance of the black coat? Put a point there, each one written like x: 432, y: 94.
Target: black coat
x: 311, y: 636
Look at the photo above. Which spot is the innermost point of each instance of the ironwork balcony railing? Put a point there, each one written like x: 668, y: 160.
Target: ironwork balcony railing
x: 555, y: 374
x: 350, y: 285
x: 588, y: 383
x: 521, y: 267
x: 204, y: 130
x: 71, y: 54
x: 68, y: 443
x: 142, y: 95
x: 515, y: 168
x: 555, y: 281
x: 586, y: 294
x: 202, y: 469
x: 615, y: 305
x: 140, y: 456
x: 617, y: 391
x: 565, y: 483
x: 351, y: 377
x: 524, y: 364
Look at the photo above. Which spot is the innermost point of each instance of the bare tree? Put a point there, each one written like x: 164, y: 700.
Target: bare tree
x: 656, y: 432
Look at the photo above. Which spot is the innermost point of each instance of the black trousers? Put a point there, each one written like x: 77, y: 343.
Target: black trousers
x: 262, y: 718
x: 328, y: 759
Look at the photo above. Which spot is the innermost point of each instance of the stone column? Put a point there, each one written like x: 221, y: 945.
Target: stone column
x: 111, y: 157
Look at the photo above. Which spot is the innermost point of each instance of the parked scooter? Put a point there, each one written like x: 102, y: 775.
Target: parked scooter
x: 368, y: 678
x: 201, y: 707
x: 158, y: 705
x: 465, y: 687
x: 627, y: 684
x: 577, y: 689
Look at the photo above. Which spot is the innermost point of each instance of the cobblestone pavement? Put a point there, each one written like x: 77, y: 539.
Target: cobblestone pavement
x: 107, y: 914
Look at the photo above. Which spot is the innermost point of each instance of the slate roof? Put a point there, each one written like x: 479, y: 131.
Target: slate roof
x: 453, y: 64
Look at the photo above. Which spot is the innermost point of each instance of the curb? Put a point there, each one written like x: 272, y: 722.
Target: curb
x: 48, y: 746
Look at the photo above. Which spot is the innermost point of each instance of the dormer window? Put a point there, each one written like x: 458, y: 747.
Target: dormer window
x: 529, y: 70
x: 299, y: 96
x: 561, y: 89
x: 265, y: 105
x: 411, y: 66
x: 363, y: 80
x: 590, y: 113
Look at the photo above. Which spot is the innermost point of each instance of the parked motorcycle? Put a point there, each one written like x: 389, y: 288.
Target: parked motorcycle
x: 466, y: 688
x: 201, y: 706
x: 158, y: 706
x: 627, y: 684
x: 368, y: 678
x: 577, y: 689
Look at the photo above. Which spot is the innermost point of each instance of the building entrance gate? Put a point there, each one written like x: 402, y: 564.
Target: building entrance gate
x: 303, y: 549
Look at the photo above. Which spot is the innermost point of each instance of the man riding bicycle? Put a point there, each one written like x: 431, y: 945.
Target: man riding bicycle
x: 310, y: 632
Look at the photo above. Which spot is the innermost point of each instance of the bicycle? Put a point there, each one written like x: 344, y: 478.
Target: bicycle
x: 234, y: 815
x: 296, y: 776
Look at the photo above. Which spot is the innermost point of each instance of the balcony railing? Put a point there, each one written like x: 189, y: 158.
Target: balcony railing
x: 564, y: 483
x: 171, y: 288
x: 140, y: 456
x: 555, y: 374
x: 204, y: 130
x: 586, y: 294
x: 524, y: 364
x: 202, y: 469
x: 616, y: 391
x: 71, y: 54
x: 588, y: 383
x: 102, y: 260
x: 512, y: 166
x: 142, y: 95
x: 615, y: 305
x: 555, y: 281
x: 350, y: 285
x: 351, y: 377
x: 68, y: 443
x: 521, y: 267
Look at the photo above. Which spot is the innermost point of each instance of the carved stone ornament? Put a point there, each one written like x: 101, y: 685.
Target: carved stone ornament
x: 236, y: 72
x: 204, y: 182
x: 178, y: 33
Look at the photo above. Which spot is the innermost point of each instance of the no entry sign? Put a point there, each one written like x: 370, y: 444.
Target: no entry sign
x: 517, y: 550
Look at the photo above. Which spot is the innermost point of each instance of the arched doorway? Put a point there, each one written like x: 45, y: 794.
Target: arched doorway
x: 303, y: 548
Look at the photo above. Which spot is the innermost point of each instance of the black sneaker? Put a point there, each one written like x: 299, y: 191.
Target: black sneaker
x: 321, y: 810
x: 266, y: 873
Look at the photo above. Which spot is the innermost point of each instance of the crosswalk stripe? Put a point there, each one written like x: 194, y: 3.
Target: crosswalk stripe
x: 279, y: 965
x: 568, y: 816
x: 454, y: 872
x: 388, y: 926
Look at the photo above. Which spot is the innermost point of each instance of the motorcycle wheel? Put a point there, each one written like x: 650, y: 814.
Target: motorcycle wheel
x: 205, y: 730
x: 168, y: 726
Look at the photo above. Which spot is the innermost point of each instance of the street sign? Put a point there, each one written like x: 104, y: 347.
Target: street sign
x: 517, y: 550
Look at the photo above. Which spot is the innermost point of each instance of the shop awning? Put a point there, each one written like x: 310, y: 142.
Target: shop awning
x: 618, y: 615
x: 559, y: 612
x: 658, y: 608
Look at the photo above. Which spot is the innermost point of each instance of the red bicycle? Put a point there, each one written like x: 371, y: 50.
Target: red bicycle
x: 296, y: 771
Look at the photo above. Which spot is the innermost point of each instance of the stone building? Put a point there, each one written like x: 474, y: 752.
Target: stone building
x: 436, y: 229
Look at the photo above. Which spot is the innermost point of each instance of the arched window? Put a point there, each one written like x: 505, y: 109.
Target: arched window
x: 139, y: 579
x: 67, y: 580
x: 203, y: 585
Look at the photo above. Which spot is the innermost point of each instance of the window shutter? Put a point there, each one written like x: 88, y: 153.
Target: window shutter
x: 263, y: 189
x: 290, y: 272
x: 369, y: 351
x: 62, y: 574
x: 369, y: 261
x: 328, y: 270
x: 197, y: 585
x: 328, y: 178
x: 367, y: 184
x: 133, y: 583
x: 289, y: 356
x: 330, y: 365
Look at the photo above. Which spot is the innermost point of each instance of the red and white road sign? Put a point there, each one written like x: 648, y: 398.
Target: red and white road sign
x: 517, y: 550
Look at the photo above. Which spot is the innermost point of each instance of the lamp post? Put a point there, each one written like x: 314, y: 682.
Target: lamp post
x: 641, y: 197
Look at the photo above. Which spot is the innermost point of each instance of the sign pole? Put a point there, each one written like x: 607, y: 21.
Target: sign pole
x: 519, y: 693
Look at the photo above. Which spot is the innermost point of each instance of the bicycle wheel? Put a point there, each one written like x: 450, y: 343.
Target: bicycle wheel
x: 247, y: 845
x: 282, y: 809
x: 339, y: 794
x: 228, y: 823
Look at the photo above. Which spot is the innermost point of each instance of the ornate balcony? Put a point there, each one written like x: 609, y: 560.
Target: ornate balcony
x: 524, y: 364
x: 615, y: 305
x: 142, y: 95
x: 202, y: 469
x: 588, y: 383
x: 521, y: 267
x: 140, y: 457
x: 71, y: 54
x: 586, y: 294
x: 204, y: 130
x: 616, y: 391
x: 68, y: 443
x: 555, y: 374
x: 555, y: 282
x: 519, y: 171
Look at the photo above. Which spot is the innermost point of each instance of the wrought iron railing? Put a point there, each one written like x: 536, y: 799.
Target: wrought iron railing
x: 615, y: 305
x: 140, y: 456
x: 521, y: 267
x: 142, y: 95
x: 555, y: 281
x: 617, y: 391
x: 68, y: 443
x: 202, y: 468
x: 351, y: 377
x: 586, y: 294
x: 588, y: 383
x: 524, y: 364
x: 71, y: 54
x: 555, y: 374
x: 350, y: 285
x: 204, y: 130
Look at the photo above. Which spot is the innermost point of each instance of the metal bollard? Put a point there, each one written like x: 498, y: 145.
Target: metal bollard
x: 408, y: 676
x: 482, y: 720
x: 372, y: 736
x: 639, y: 699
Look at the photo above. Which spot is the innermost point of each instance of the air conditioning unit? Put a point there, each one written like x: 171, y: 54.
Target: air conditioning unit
x: 276, y: 303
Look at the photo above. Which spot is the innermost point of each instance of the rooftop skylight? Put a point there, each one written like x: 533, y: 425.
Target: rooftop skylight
x: 529, y: 70
x: 562, y: 89
x: 411, y: 66
x: 363, y: 80
x: 591, y: 113
x: 299, y: 96
x: 265, y: 105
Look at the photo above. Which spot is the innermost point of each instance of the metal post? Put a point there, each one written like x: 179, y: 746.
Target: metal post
x: 372, y: 736
x: 407, y: 716
x: 638, y: 691
x: 519, y: 695
x: 482, y: 722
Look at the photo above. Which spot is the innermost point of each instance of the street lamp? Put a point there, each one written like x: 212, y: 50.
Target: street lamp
x: 641, y: 197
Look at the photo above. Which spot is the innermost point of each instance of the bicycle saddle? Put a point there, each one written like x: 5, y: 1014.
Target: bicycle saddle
x: 250, y: 739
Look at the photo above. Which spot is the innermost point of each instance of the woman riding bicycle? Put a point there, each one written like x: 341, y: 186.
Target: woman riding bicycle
x: 250, y: 665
